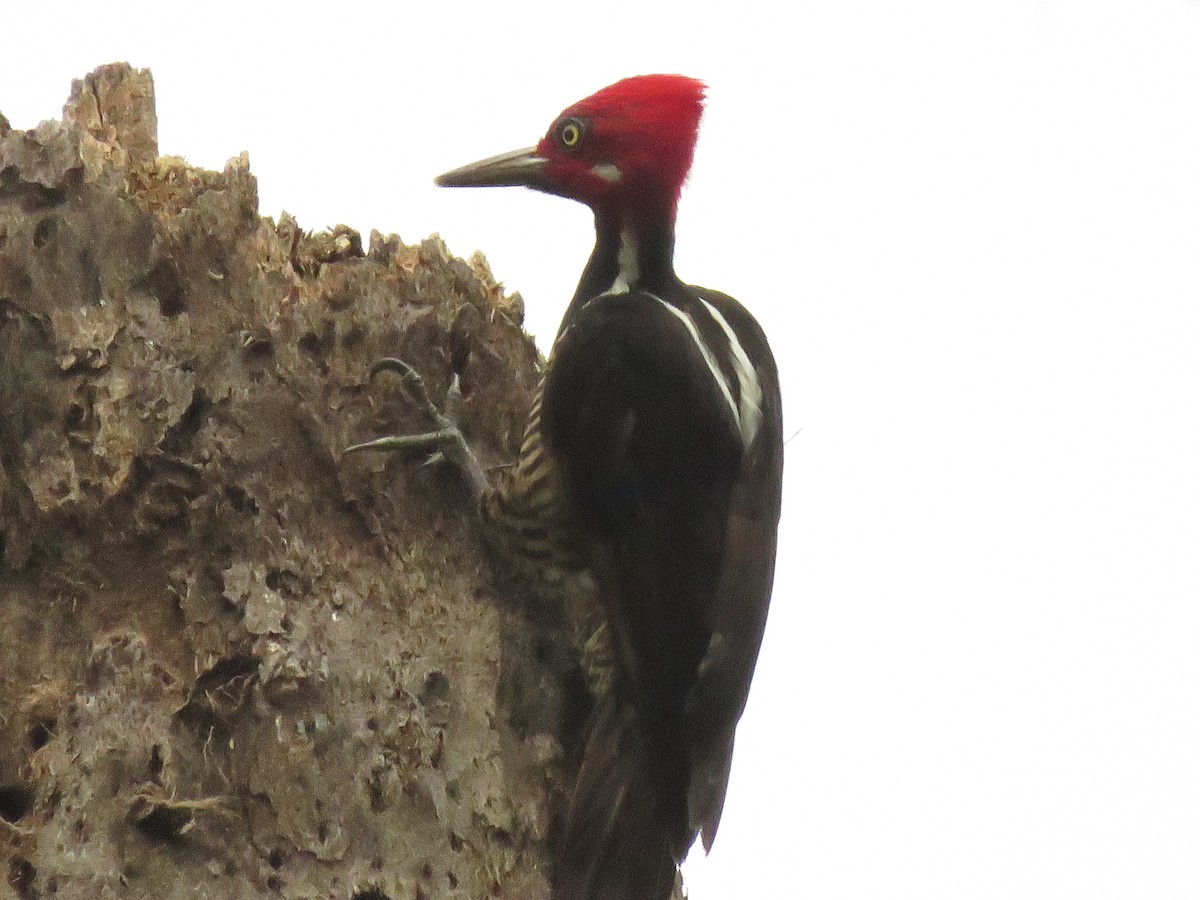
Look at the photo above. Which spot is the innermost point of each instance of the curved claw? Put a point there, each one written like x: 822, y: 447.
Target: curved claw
x: 412, y: 380
x: 447, y: 440
x: 450, y: 445
x: 394, y: 364
x: 400, y: 442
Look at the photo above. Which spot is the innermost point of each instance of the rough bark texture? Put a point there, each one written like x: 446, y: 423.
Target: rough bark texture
x: 233, y: 663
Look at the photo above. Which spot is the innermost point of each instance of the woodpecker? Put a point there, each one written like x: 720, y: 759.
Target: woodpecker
x: 653, y: 458
x: 656, y: 445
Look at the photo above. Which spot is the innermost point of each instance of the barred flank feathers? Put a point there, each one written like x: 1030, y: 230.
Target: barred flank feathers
x: 523, y: 513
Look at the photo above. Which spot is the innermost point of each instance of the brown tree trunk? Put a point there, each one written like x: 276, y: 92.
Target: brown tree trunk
x: 233, y: 663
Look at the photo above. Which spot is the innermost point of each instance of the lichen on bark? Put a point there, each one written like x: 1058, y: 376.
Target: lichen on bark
x: 231, y: 661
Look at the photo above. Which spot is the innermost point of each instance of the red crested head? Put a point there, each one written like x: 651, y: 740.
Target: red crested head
x: 627, y: 144
x: 626, y: 147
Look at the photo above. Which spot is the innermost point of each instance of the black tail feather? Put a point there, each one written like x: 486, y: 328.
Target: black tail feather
x: 619, y: 842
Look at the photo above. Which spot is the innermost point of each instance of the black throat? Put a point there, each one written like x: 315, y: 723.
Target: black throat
x: 631, y: 253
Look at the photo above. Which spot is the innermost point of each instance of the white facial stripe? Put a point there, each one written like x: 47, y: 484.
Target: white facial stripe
x: 627, y: 264
x: 607, y: 171
x: 750, y: 391
x: 709, y: 359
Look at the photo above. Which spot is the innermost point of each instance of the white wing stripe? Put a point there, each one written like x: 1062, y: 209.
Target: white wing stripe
x: 709, y: 359
x: 750, y: 391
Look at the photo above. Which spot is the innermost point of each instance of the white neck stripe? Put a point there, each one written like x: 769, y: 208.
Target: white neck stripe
x: 627, y: 264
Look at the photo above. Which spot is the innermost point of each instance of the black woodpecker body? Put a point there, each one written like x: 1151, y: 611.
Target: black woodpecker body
x: 653, y: 458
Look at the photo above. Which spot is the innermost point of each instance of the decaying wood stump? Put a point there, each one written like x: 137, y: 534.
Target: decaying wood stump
x: 232, y: 663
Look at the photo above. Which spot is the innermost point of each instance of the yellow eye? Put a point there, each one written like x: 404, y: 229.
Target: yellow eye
x: 570, y: 133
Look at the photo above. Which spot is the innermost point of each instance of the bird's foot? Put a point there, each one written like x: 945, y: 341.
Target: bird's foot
x: 445, y: 441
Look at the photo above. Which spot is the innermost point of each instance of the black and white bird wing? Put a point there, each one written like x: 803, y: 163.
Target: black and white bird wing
x: 652, y: 424
x: 636, y: 417
x: 738, y: 608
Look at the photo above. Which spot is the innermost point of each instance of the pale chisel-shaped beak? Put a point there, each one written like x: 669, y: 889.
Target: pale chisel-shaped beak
x: 523, y: 168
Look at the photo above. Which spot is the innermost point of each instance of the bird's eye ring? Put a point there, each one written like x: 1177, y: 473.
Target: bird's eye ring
x: 570, y: 133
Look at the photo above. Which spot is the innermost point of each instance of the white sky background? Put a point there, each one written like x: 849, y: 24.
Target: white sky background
x: 972, y: 231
